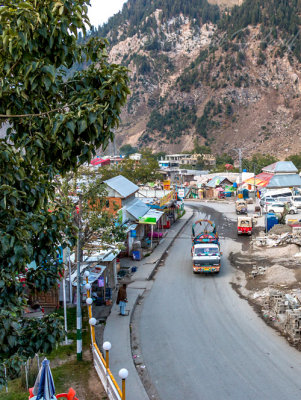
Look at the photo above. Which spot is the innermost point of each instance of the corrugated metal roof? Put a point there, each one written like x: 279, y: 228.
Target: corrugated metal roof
x: 284, y: 181
x: 137, y: 208
x: 122, y: 186
x: 217, y: 180
x: 281, y: 167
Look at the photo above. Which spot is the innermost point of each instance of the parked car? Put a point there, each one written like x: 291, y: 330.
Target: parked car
x: 279, y: 208
x: 296, y: 201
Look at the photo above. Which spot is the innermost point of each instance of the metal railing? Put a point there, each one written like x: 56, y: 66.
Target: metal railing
x: 102, y: 365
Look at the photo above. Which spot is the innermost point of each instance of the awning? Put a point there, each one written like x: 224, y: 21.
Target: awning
x: 95, y: 273
x: 151, y: 217
x: 261, y: 179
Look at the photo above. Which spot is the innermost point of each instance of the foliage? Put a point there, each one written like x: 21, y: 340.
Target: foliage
x: 175, y: 121
x: 127, y: 150
x: 273, y: 15
x: 146, y: 170
x: 97, y: 223
x: 136, y: 15
x: 296, y: 159
x: 258, y: 161
x: 55, y: 124
x: 223, y: 159
x: 198, y: 149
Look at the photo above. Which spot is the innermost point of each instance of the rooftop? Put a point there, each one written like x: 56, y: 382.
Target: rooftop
x: 122, y: 186
x: 281, y: 167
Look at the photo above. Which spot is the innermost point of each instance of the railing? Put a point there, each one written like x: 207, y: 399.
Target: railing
x: 110, y: 385
x: 102, y: 365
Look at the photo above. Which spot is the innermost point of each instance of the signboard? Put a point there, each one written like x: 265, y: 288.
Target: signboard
x: 148, y: 220
x: 181, y: 193
x: 166, y: 185
x: 167, y: 198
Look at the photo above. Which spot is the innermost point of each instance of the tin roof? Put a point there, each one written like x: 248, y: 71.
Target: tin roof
x: 137, y: 208
x: 284, y: 181
x: 217, y: 180
x: 151, y: 217
x: 281, y: 167
x: 122, y: 186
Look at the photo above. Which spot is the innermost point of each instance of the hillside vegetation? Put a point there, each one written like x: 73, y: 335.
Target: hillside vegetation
x: 224, y: 76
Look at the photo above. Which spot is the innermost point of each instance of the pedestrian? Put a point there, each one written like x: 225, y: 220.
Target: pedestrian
x: 122, y: 299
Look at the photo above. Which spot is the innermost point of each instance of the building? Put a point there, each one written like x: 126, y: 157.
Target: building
x: 176, y: 160
x: 135, y: 156
x: 282, y: 174
x: 133, y: 213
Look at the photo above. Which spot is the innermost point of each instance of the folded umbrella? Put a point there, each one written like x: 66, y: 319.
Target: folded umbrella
x: 44, y: 385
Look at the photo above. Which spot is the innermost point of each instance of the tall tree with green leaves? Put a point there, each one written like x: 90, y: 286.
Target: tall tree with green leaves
x: 55, y: 125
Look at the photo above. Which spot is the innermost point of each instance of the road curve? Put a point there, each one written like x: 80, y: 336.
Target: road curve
x: 200, y: 341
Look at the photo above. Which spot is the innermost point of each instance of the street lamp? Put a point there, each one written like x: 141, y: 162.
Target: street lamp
x: 92, y: 321
x: 107, y: 347
x: 123, y: 373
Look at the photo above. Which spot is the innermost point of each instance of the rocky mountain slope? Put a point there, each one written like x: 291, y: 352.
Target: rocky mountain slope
x: 224, y: 77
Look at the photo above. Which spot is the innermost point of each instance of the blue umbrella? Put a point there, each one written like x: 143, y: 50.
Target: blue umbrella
x: 44, y: 385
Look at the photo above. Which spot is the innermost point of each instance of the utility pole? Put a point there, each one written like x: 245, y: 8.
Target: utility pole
x: 239, y: 151
x: 254, y: 185
x: 79, y: 344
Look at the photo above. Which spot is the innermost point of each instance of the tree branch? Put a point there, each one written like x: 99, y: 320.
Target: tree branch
x: 36, y: 115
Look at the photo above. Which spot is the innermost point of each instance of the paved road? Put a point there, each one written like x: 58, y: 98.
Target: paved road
x: 200, y: 341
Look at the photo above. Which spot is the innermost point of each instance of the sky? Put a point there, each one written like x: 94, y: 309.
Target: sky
x: 101, y: 10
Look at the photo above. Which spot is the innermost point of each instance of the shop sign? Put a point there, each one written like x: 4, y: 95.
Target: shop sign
x: 181, y: 192
x: 166, y: 185
x: 167, y: 198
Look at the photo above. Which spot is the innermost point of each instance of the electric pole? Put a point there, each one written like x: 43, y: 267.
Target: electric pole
x: 79, y: 344
x: 239, y: 151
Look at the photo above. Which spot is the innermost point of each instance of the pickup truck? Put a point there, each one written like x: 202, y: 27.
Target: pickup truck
x: 206, y: 257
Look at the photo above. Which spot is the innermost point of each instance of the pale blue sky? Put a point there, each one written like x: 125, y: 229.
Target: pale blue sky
x: 101, y: 10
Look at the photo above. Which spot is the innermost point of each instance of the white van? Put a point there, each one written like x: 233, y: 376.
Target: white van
x: 296, y: 201
x: 277, y: 193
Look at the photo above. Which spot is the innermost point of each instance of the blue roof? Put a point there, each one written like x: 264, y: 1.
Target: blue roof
x: 284, y: 181
x: 122, y: 186
x: 281, y: 167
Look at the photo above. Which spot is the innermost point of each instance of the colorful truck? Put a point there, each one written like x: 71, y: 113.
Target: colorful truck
x: 204, y: 231
x: 205, y: 252
x: 206, y: 257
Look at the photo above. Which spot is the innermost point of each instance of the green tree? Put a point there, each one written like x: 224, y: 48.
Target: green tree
x: 146, y: 170
x: 55, y: 124
x: 296, y: 159
x: 127, y: 150
x: 258, y: 161
x: 86, y: 198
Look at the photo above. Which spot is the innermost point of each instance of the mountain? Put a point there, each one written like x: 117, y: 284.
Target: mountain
x: 222, y: 74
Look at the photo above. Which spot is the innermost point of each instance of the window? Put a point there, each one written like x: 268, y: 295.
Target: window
x: 107, y: 203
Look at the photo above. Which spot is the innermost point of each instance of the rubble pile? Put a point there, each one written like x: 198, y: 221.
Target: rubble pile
x: 273, y: 240
x: 285, y: 309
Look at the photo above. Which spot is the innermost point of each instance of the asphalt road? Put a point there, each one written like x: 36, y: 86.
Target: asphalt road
x: 200, y: 341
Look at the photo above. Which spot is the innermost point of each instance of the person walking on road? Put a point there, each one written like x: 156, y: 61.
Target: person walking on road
x: 122, y: 299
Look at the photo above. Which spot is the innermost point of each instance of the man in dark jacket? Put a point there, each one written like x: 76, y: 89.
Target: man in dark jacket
x: 122, y: 299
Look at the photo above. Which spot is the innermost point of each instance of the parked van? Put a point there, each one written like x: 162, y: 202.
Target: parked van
x: 277, y: 193
x: 296, y: 201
